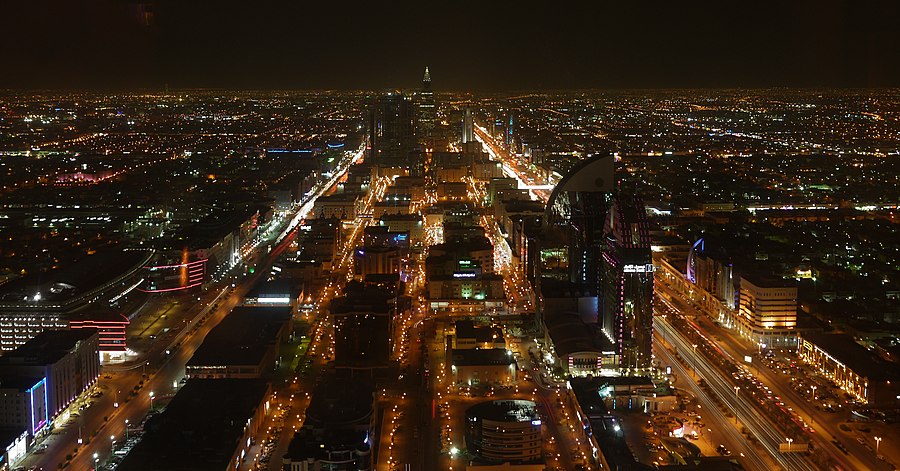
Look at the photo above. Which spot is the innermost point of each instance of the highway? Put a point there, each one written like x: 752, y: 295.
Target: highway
x: 747, y: 415
x: 126, y: 388
x: 753, y: 460
x: 825, y: 425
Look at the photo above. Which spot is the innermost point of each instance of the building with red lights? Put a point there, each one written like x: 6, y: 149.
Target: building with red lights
x: 89, y: 293
x: 110, y: 324
x: 162, y: 278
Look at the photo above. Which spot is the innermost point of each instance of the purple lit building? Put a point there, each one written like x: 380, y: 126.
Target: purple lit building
x: 626, y: 298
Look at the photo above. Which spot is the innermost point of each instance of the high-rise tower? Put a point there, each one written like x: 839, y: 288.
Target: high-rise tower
x: 426, y: 114
x: 626, y: 298
x: 468, y: 134
x: 391, y: 130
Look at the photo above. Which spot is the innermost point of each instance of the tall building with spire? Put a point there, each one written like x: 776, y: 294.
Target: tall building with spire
x: 426, y: 113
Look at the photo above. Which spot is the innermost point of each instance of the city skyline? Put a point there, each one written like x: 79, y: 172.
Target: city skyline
x: 407, y: 237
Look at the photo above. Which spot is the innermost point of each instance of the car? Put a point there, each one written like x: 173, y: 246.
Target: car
x: 722, y: 450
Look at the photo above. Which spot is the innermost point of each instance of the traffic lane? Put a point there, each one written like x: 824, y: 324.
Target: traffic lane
x: 761, y: 428
x: 735, y: 440
x: 857, y: 458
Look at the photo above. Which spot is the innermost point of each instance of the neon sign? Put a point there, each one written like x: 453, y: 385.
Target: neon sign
x: 648, y: 268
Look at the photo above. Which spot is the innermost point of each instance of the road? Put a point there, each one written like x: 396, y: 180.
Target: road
x: 747, y: 415
x: 753, y: 458
x: 126, y: 387
x: 826, y: 425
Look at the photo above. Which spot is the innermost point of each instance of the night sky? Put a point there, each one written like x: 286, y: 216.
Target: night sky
x: 478, y: 46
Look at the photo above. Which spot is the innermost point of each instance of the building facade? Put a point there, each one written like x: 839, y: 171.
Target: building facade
x: 767, y: 313
x: 505, y: 431
x: 68, y: 360
x: 627, y: 289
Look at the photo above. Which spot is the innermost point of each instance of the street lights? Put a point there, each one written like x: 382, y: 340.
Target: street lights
x: 877, y: 444
x: 126, y: 430
x: 789, y: 441
x: 96, y: 461
x: 112, y: 446
x: 736, y: 389
x: 151, y: 400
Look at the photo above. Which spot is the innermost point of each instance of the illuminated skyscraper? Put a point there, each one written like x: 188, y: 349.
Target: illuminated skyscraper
x: 626, y: 298
x: 426, y: 115
x: 468, y: 134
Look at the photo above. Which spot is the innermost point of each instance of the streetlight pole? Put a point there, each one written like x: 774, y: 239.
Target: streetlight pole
x: 736, y: 389
x: 877, y: 444
x: 96, y: 461
x: 151, y: 400
x: 112, y: 446
x: 126, y: 430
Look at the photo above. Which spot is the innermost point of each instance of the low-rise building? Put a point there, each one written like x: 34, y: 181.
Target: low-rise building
x: 208, y: 425
x: 504, y: 431
x: 479, y: 366
x: 13, y: 447
x: 339, y: 205
x: 860, y: 372
x: 244, y: 345
x: 338, y: 432
x: 578, y: 349
x: 468, y: 335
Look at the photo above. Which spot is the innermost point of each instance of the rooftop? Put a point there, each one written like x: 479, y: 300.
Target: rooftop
x: 47, y: 347
x: 242, y: 338
x: 861, y: 360
x: 19, y: 382
x: 200, y: 429
x: 481, y: 357
x: 340, y: 402
x: 506, y: 410
x: 571, y: 335
x: 71, y: 280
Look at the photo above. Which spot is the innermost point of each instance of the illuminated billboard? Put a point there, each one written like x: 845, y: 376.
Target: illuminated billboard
x: 37, y: 396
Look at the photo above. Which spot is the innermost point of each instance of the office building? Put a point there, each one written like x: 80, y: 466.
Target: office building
x: 24, y: 403
x: 86, y: 290
x: 573, y: 237
x: 392, y: 132
x: 426, y: 114
x: 627, y: 291
x: 768, y: 311
x: 710, y: 269
x: 68, y: 359
x: 468, y: 132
